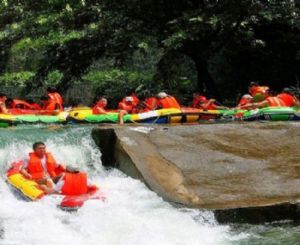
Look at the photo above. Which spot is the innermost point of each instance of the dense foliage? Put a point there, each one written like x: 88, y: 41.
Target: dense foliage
x: 178, y: 46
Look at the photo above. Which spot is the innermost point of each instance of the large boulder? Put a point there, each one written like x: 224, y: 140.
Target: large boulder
x: 249, y: 169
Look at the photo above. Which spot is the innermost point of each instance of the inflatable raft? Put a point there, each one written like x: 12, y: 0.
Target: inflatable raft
x: 29, y: 190
x: 171, y: 115
x: 267, y: 113
x: 31, y: 117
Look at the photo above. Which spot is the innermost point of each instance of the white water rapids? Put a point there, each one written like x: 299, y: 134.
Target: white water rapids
x: 131, y: 215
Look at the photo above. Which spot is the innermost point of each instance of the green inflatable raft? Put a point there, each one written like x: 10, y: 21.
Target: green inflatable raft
x: 267, y: 113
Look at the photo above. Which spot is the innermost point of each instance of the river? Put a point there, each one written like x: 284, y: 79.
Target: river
x: 131, y: 214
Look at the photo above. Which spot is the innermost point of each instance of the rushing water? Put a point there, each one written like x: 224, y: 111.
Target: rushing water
x: 132, y: 214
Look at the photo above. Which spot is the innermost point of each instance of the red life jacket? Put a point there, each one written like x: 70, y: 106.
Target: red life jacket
x: 35, y: 167
x: 134, y: 97
x: 199, y: 100
x: 259, y: 93
x: 258, y: 89
x: 20, y: 104
x: 151, y: 103
x: 211, y: 106
x: 126, y: 106
x: 287, y: 99
x: 75, y: 184
x: 245, y: 100
x: 169, y: 102
x: 275, y: 101
x: 56, y: 97
x: 99, y: 105
x: 53, y: 105
x: 36, y: 106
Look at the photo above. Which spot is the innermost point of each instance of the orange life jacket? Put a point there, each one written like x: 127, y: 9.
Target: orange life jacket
x: 211, y: 106
x: 244, y: 101
x: 287, y: 99
x: 151, y: 103
x: 21, y: 104
x: 258, y: 89
x: 275, y: 101
x: 134, y: 97
x: 53, y: 105
x: 259, y: 93
x: 35, y: 167
x: 169, y: 102
x: 56, y: 97
x: 126, y: 106
x: 75, y: 184
x: 98, y: 105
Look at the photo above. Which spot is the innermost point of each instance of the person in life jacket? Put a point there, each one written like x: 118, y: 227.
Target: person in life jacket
x: 201, y: 102
x: 18, y: 104
x: 285, y: 98
x: 74, y: 182
x: 198, y: 100
x: 151, y: 103
x: 143, y: 106
x: 100, y: 108
x: 259, y: 93
x: 246, y: 99
x: 3, y: 99
x: 166, y: 101
x: 50, y: 106
x: 148, y: 102
x: 131, y: 93
x: 34, y: 105
x: 127, y: 104
x: 55, y: 96
x: 41, y: 167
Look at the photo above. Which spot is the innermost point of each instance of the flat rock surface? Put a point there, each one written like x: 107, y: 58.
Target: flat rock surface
x: 218, y: 166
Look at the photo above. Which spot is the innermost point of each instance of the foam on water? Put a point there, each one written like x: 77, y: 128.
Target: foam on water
x: 131, y: 214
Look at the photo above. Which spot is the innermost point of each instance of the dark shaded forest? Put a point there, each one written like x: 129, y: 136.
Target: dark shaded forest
x: 215, y: 47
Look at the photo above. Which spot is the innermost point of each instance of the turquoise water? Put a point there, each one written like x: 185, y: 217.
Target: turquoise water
x: 132, y: 214
x: 269, y: 234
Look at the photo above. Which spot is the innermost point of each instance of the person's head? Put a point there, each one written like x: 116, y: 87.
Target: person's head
x: 3, y: 97
x: 202, y: 99
x: 39, y: 148
x: 145, y: 94
x: 195, y: 94
x: 9, y: 102
x: 51, y: 89
x: 288, y: 91
x: 129, y: 100
x: 162, y: 95
x: 102, y: 101
x: 253, y: 83
x: 247, y: 96
x: 45, y: 99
